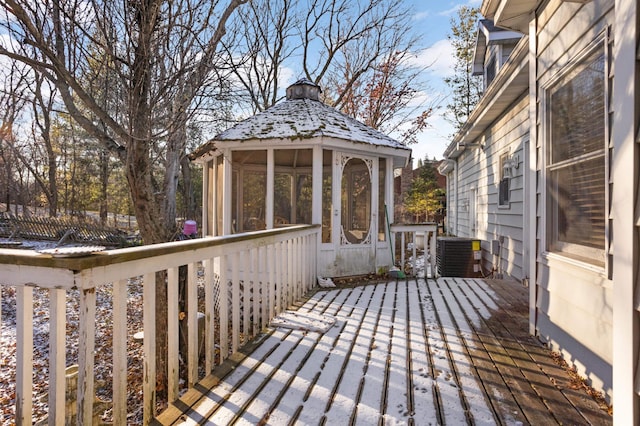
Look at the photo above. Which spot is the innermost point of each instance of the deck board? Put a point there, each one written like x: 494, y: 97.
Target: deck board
x: 451, y: 351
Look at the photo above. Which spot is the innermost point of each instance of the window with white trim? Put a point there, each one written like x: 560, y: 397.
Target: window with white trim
x: 505, y: 177
x: 576, y: 155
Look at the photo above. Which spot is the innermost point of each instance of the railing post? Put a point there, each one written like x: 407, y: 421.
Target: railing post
x: 120, y: 352
x: 432, y: 252
x: 173, y: 332
x: 24, y: 353
x: 86, y: 349
x: 209, y: 313
x: 149, y: 347
x: 57, y: 334
x: 192, y: 326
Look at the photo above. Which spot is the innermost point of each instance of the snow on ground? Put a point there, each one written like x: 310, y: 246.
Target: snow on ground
x: 394, y: 350
x: 362, y: 352
x: 103, y: 353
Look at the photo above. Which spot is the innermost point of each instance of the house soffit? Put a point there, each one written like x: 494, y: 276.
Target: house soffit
x: 510, y: 14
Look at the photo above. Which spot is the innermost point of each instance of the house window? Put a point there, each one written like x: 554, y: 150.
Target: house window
x: 576, y: 181
x: 491, y: 72
x: 505, y: 177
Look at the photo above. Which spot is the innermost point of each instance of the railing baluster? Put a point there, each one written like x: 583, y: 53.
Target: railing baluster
x: 299, y: 251
x: 209, y: 312
x: 279, y: 282
x: 281, y: 262
x: 264, y: 286
x: 149, y: 347
x: 271, y: 267
x: 120, y: 352
x: 246, y: 297
x: 24, y: 352
x: 86, y: 350
x: 57, y: 334
x: 235, y: 302
x: 192, y: 325
x: 290, y: 276
x: 256, y: 291
x: 173, y: 333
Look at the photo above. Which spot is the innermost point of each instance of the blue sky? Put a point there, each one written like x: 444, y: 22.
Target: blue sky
x: 432, y: 24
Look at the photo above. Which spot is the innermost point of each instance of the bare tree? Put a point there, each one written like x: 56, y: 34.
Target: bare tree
x: 387, y: 98
x: 159, y: 54
x: 256, y: 57
x: 340, y: 43
x: 12, y: 101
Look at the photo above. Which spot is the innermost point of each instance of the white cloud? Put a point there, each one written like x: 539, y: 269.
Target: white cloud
x: 454, y: 9
x: 419, y: 16
x: 438, y: 58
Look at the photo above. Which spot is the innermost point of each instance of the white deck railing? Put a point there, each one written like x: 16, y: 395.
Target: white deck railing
x: 260, y: 272
x: 428, y: 233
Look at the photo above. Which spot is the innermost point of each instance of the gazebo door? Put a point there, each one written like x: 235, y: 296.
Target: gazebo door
x: 358, y: 229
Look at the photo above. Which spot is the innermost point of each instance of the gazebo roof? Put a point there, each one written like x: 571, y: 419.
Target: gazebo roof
x: 301, y: 117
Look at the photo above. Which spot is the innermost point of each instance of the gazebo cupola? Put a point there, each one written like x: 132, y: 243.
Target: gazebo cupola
x: 304, y: 162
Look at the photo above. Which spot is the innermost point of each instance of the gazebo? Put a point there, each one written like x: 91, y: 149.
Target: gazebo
x: 304, y: 162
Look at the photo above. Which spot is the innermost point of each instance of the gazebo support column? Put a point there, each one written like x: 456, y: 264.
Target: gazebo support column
x: 316, y: 186
x: 271, y: 175
x: 226, y: 194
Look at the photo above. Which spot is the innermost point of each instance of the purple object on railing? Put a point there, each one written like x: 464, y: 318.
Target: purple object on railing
x: 190, y: 227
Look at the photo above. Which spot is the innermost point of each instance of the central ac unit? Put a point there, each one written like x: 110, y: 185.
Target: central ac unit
x: 458, y: 257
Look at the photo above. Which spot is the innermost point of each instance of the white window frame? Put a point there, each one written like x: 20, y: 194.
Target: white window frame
x: 575, y: 253
x: 504, y: 158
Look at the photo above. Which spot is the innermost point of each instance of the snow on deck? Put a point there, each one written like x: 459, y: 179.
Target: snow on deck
x: 451, y: 351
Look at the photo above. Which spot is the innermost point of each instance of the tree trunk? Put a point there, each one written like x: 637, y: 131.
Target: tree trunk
x: 104, y: 182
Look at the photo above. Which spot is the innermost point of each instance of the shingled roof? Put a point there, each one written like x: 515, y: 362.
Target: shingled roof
x: 301, y: 116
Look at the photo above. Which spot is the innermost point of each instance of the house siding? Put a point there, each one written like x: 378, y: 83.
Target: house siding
x: 573, y: 300
x: 478, y: 182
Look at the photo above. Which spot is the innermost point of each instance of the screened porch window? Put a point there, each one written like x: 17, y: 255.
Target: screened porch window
x: 576, y: 162
x: 327, y: 203
x: 292, y: 186
x: 250, y: 175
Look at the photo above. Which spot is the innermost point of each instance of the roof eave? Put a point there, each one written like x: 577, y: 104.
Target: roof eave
x: 511, y: 14
x: 510, y: 82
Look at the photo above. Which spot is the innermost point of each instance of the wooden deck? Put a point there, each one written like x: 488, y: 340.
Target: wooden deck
x: 447, y: 351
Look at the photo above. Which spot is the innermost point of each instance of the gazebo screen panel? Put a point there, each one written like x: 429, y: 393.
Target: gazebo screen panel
x: 382, y: 217
x: 327, y: 204
x: 292, y: 186
x: 356, y: 201
x: 249, y: 190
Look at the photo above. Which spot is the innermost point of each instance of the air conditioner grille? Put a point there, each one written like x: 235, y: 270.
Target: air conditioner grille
x: 454, y: 257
